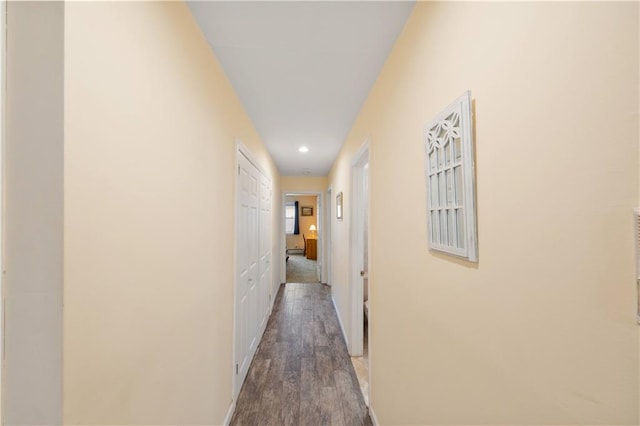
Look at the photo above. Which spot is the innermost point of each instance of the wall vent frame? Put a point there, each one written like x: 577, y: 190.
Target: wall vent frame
x: 450, y: 179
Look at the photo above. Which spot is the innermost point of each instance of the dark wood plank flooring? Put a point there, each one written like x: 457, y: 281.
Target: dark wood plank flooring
x: 301, y: 373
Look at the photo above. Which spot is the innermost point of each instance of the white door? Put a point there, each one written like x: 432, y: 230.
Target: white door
x: 265, y: 251
x: 247, y: 296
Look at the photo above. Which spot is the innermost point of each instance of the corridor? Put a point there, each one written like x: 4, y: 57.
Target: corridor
x: 152, y: 154
x: 301, y: 373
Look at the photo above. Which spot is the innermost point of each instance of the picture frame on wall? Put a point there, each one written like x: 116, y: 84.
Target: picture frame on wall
x: 306, y: 211
x: 339, y: 206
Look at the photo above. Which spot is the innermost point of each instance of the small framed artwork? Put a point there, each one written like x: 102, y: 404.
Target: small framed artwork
x: 306, y: 211
x: 339, y: 206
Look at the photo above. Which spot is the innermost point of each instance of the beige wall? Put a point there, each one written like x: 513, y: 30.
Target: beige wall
x: 150, y: 126
x: 340, y: 181
x: 296, y: 241
x: 33, y: 204
x: 542, y: 330
x: 303, y: 183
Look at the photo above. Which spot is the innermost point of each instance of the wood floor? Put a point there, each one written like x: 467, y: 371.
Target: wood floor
x: 302, y: 373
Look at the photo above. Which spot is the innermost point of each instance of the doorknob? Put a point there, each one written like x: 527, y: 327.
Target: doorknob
x: 362, y: 273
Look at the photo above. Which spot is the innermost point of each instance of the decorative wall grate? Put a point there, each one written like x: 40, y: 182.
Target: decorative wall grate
x: 636, y: 225
x: 451, y: 181
x: 636, y: 221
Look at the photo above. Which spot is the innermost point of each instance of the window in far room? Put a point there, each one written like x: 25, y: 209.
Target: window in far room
x: 289, y: 217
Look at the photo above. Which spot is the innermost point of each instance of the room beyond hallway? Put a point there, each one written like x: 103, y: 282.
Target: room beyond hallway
x: 301, y: 373
x: 301, y: 270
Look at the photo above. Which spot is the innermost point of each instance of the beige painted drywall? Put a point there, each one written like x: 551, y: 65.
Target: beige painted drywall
x: 542, y: 330
x: 296, y: 241
x: 304, y: 183
x: 150, y: 128
x: 33, y: 214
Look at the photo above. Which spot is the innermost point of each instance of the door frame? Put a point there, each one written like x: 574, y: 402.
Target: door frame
x: 356, y: 245
x: 320, y: 232
x: 3, y: 96
x: 328, y: 264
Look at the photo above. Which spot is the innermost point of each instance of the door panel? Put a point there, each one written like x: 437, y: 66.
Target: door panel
x: 243, y: 271
x: 248, y: 264
x: 265, y: 249
x: 253, y: 259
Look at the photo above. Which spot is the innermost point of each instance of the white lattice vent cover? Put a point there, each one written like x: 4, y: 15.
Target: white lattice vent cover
x: 636, y: 224
x: 636, y: 221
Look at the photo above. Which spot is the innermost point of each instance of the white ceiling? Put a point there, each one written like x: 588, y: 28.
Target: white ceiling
x: 302, y: 69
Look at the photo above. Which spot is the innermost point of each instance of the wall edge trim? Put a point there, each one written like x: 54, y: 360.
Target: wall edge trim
x: 229, y: 416
x: 335, y: 308
x: 372, y: 414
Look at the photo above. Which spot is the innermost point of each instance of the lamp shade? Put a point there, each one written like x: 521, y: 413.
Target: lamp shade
x: 312, y: 228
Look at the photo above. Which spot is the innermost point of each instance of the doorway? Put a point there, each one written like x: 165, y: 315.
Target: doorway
x: 328, y: 217
x: 302, y: 243
x: 359, y: 252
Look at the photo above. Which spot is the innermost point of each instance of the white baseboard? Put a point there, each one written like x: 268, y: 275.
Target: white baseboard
x: 227, y: 418
x: 340, y: 320
x: 374, y: 419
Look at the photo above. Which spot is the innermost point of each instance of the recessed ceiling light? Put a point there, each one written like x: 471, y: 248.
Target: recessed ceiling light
x: 303, y: 149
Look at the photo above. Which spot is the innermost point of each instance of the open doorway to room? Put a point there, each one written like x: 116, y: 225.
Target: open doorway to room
x: 301, y: 238
x: 360, y: 269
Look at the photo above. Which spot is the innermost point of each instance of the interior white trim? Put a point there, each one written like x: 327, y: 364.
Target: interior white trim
x: 241, y: 147
x: 3, y: 92
x: 356, y: 249
x: 370, y: 325
x: 328, y: 229
x: 229, y: 416
x: 335, y: 308
x: 363, y: 150
x: 372, y: 414
x: 283, y: 238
